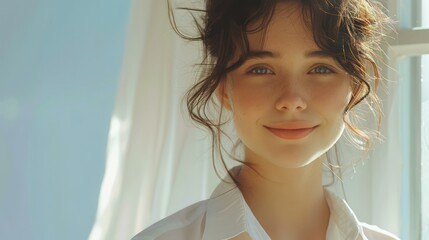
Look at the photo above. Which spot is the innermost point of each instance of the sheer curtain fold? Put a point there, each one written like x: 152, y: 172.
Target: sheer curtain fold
x: 150, y: 166
x: 387, y: 162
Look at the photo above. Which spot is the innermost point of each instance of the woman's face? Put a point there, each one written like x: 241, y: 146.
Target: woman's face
x: 289, y: 97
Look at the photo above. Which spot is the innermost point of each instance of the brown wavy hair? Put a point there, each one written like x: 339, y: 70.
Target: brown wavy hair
x: 349, y: 30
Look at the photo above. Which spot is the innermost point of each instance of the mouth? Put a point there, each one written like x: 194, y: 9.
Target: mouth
x: 291, y: 133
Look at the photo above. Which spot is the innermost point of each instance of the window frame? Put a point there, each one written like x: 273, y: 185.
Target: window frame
x: 409, y: 42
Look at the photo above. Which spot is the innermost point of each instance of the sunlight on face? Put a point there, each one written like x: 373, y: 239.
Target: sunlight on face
x: 289, y: 97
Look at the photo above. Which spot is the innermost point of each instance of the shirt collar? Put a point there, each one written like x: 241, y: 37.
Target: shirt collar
x: 226, y: 218
x: 343, y: 221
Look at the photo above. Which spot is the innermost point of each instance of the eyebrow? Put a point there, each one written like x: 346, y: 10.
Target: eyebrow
x: 318, y: 53
x: 261, y: 54
x: 268, y: 54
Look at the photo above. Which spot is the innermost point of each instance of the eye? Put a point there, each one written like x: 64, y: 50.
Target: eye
x: 261, y: 71
x: 321, y: 70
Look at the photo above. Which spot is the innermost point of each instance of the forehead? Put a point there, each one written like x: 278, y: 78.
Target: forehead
x: 286, y: 30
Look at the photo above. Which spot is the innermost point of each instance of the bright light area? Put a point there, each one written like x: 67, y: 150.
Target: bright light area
x: 425, y: 130
x: 425, y: 14
x: 425, y: 147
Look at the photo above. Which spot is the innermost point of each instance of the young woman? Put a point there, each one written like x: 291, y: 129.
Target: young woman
x: 288, y: 73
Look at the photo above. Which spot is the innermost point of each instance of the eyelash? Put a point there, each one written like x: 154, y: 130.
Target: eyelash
x: 325, y: 69
x: 264, y: 70
x: 257, y: 71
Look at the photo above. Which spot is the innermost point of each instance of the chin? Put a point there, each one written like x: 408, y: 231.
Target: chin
x: 292, y: 161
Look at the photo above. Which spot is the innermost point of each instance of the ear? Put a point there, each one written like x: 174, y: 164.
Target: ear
x: 222, y: 95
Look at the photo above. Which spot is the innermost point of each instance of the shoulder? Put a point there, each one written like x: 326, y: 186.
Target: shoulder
x: 373, y: 232
x: 204, y: 218
x: 184, y: 224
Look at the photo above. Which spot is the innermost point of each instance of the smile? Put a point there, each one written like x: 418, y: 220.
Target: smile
x: 291, y: 134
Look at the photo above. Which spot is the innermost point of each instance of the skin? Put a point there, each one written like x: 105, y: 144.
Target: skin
x: 284, y: 189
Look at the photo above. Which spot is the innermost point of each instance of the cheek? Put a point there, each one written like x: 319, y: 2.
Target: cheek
x: 333, y: 99
x: 248, y: 98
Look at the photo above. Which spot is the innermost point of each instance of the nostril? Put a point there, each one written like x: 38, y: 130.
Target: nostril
x: 299, y: 105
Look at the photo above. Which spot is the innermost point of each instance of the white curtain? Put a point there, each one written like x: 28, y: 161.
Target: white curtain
x: 151, y: 169
x: 158, y: 162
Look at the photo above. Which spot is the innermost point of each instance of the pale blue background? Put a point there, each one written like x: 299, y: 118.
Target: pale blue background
x: 59, y: 67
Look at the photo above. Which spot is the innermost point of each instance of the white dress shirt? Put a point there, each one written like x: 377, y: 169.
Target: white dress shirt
x: 226, y: 215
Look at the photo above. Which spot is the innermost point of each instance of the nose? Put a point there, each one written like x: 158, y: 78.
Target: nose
x: 291, y: 100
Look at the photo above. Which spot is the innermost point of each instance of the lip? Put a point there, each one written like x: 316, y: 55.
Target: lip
x: 291, y: 130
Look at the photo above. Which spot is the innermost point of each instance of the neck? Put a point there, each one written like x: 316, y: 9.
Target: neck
x: 287, y: 202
